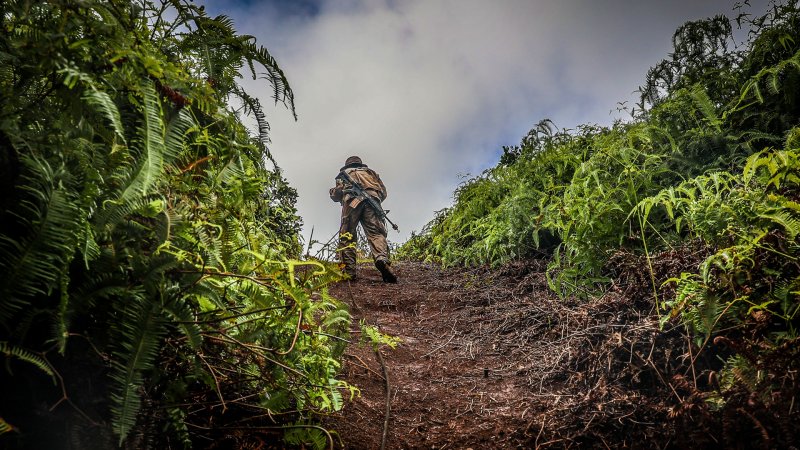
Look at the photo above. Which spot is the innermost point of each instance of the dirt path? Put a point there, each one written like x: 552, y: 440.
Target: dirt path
x: 491, y: 359
x: 454, y: 380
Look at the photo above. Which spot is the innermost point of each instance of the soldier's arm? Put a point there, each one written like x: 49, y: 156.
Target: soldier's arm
x: 335, y: 192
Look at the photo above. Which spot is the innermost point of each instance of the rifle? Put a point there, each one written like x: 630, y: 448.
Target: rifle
x: 359, y: 191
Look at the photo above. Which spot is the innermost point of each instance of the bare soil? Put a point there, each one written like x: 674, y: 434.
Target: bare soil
x: 493, y: 359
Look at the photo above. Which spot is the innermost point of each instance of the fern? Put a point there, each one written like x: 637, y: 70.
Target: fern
x: 183, y: 318
x: 158, y: 146
x: 96, y: 98
x: 5, y: 427
x: 281, y: 91
x: 739, y: 370
x: 24, y: 355
x: 103, y: 236
x: 33, y: 262
x: 374, y: 337
x: 253, y: 106
x: 781, y: 168
x: 139, y: 335
x: 306, y: 435
x: 786, y: 219
x: 113, y: 212
x: 706, y: 106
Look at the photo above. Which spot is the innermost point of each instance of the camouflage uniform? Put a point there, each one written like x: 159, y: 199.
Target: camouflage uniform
x: 356, y: 210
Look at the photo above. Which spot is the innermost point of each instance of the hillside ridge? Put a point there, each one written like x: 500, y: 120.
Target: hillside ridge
x: 493, y: 359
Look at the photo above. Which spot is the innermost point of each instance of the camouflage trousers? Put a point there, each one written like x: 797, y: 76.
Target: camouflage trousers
x: 374, y: 228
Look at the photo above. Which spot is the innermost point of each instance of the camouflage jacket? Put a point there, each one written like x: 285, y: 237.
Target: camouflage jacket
x: 363, y: 175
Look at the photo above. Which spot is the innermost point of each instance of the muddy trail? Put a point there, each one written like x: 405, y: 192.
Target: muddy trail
x: 493, y: 359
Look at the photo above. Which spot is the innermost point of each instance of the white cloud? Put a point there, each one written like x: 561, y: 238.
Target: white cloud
x: 425, y: 90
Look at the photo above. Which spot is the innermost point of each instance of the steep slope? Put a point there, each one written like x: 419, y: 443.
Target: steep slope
x: 492, y: 359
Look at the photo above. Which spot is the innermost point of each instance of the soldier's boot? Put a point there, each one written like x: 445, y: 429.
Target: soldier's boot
x: 387, y: 273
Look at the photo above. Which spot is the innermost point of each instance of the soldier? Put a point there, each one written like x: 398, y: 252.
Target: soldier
x: 355, y: 210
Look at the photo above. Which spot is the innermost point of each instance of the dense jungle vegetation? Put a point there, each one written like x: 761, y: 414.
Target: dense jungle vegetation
x: 148, y: 240
x: 706, y: 169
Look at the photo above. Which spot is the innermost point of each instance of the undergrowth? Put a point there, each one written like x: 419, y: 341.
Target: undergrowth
x: 708, y: 160
x: 152, y: 295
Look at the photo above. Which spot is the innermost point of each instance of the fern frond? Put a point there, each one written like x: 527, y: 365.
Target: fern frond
x: 25, y: 355
x: 232, y: 169
x: 103, y: 103
x: 5, y: 427
x: 754, y: 162
x: 175, y: 135
x: 31, y: 264
x: 153, y: 152
x: 139, y: 334
x: 742, y: 370
x: 253, y: 106
x: 183, y: 317
x: 113, y: 212
x: 280, y: 84
x: 785, y: 219
x: 154, y: 274
x: 704, y: 104
x: 306, y: 435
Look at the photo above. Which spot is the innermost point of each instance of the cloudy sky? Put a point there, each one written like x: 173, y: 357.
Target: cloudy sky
x: 428, y: 91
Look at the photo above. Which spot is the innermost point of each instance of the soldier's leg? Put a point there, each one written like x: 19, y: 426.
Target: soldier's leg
x: 347, y: 240
x: 375, y: 229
